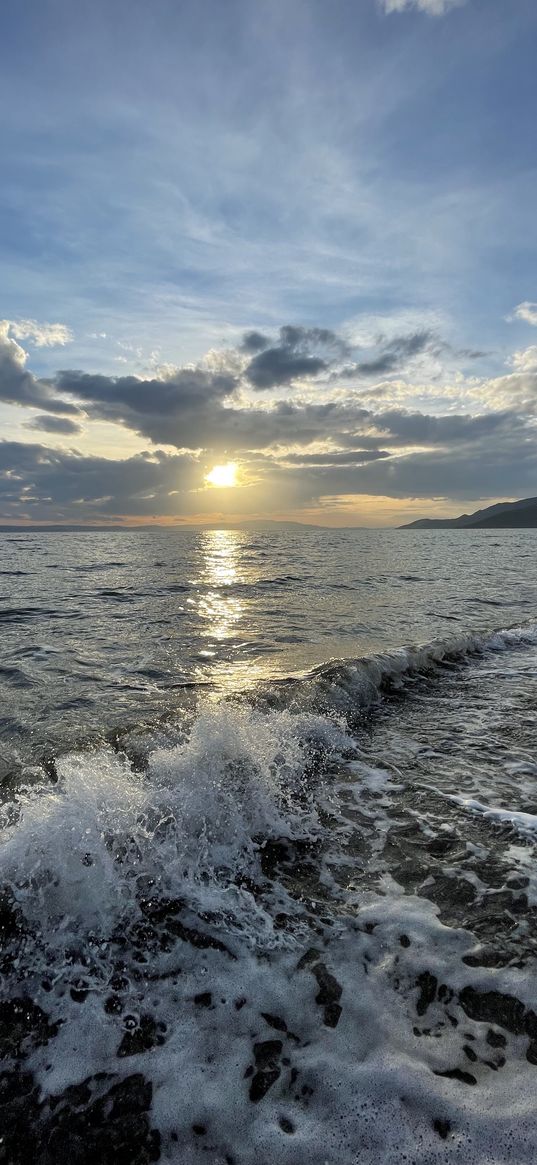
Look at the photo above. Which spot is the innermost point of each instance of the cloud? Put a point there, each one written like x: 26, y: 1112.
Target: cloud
x: 300, y: 352
x: 322, y: 444
x: 44, y: 483
x: 18, y: 385
x: 42, y: 335
x: 254, y: 342
x: 431, y: 7
x: 525, y: 360
x: 526, y: 311
x: 336, y: 457
x: 51, y: 424
x: 394, y: 353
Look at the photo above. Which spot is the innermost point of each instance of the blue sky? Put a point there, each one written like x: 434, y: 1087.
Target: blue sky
x: 177, y: 174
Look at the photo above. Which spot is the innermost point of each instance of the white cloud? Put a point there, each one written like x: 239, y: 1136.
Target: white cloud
x: 526, y: 311
x: 42, y: 335
x: 431, y: 7
x: 525, y: 360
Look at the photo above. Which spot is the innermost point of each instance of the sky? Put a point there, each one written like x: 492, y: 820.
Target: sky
x: 291, y: 239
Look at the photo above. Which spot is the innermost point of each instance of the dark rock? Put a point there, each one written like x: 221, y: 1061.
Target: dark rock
x: 469, y: 1053
x: 266, y: 1055
x: 113, y: 1005
x: 308, y: 958
x: 404, y: 940
x: 492, y: 1007
x: 197, y: 938
x: 330, y: 990
x: 457, y: 1074
x: 88, y: 1122
x: 531, y: 1053
x: 79, y: 991
x: 199, y: 1130
x: 23, y: 1025
x: 286, y: 1125
x: 160, y: 909
x: 427, y: 984
x: 204, y: 999
x: 274, y: 1021
x: 11, y: 919
x: 332, y: 1013
x: 496, y: 1039
x: 261, y: 1083
x: 442, y: 1127
x: 145, y: 1035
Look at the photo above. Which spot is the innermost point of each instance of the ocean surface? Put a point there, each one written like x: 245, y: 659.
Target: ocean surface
x: 268, y: 817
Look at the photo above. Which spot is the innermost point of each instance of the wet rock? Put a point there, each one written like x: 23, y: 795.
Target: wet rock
x: 457, y: 1074
x: 19, y: 1117
x: 160, y: 909
x: 310, y: 956
x: 274, y: 1021
x: 427, y: 984
x: 332, y: 1013
x: 87, y: 1123
x: 267, y: 1052
x: 261, y: 1083
x: 330, y: 990
x: 204, y: 999
x: 11, y: 919
x: 23, y: 1025
x: 197, y: 938
x: 147, y: 1034
x: 493, y: 1007
x: 495, y: 1039
x: 266, y: 1055
x: 79, y: 991
x: 113, y: 1005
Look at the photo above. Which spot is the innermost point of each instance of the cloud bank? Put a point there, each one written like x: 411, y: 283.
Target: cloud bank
x: 310, y: 417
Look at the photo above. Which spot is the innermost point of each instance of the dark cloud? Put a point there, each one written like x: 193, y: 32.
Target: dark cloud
x: 19, y: 387
x: 254, y: 342
x: 425, y: 429
x: 394, y: 353
x: 299, y: 352
x: 42, y: 483
x: 337, y: 457
x: 278, y: 366
x: 52, y: 424
x: 202, y: 413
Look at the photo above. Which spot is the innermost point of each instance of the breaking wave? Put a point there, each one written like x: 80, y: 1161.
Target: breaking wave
x: 276, y: 922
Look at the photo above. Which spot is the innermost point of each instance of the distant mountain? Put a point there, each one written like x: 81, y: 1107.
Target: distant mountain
x: 505, y: 515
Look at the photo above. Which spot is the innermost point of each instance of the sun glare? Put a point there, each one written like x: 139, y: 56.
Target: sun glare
x: 222, y: 476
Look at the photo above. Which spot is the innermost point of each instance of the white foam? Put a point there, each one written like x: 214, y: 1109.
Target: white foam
x: 193, y: 827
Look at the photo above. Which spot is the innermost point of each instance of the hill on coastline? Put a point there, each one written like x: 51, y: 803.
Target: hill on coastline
x: 504, y: 515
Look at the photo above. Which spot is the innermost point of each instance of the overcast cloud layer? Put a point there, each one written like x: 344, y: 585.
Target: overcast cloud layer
x: 296, y: 237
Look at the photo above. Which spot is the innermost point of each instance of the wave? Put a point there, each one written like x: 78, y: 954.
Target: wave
x: 186, y: 922
x: 353, y: 685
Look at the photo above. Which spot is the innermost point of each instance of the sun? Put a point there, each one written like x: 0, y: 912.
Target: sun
x: 222, y: 476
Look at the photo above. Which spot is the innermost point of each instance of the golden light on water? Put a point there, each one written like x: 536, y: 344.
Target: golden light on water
x: 222, y: 476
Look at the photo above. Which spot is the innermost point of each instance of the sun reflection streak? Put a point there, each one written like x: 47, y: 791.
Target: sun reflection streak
x: 221, y: 551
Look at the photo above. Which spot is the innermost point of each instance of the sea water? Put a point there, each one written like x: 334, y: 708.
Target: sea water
x: 267, y: 853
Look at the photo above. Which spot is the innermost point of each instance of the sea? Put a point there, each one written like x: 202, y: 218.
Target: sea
x: 268, y: 817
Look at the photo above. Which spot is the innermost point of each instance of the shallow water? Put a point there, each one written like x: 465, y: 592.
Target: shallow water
x: 258, y: 901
